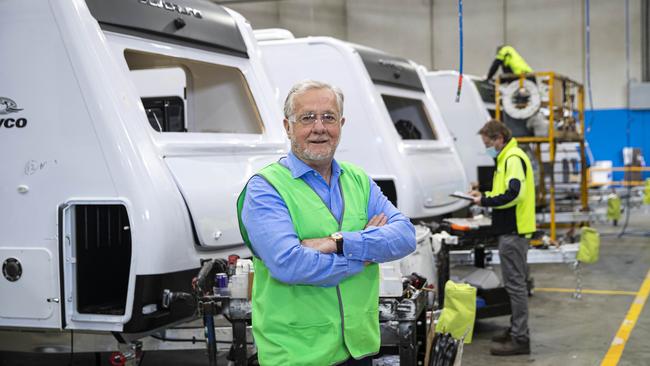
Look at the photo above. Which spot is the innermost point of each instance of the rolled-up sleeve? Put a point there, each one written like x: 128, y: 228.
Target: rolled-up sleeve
x: 387, y: 243
x: 275, y: 241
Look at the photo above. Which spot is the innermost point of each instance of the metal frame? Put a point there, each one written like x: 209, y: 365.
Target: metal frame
x: 556, y: 112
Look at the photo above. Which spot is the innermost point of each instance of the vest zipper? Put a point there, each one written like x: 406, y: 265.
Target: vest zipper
x: 340, y: 221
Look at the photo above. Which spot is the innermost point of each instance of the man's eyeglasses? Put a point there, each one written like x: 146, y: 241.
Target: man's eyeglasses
x: 311, y: 118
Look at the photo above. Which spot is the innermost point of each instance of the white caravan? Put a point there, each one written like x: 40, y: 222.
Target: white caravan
x: 463, y: 118
x: 128, y: 129
x: 393, y: 127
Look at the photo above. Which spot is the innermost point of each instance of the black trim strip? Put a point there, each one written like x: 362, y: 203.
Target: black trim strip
x: 149, y: 290
x: 160, y: 38
x: 61, y: 276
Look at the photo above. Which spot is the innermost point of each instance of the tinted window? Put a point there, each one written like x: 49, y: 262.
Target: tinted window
x: 410, y: 118
x: 186, y: 95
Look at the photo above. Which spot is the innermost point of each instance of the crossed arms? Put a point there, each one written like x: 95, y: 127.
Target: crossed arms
x: 388, y: 236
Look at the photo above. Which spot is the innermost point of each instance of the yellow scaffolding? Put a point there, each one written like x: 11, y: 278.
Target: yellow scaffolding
x: 566, y: 122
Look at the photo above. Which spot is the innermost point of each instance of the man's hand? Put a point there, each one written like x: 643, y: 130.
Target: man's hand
x: 377, y: 221
x: 477, y: 197
x: 324, y: 245
x: 328, y: 245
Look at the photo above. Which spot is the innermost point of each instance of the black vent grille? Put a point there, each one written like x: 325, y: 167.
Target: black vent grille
x: 103, y: 258
x: 387, y: 187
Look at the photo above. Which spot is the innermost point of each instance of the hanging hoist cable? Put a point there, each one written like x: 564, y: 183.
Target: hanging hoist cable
x: 588, y: 63
x: 460, y: 31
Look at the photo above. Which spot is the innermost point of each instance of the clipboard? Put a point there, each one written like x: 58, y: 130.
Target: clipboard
x: 462, y: 195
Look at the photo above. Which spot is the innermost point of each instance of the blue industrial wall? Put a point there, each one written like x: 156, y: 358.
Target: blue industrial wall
x: 607, y: 133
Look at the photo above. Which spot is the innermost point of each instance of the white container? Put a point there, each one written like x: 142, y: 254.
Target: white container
x: 239, y: 286
x: 390, y: 277
x: 602, y: 176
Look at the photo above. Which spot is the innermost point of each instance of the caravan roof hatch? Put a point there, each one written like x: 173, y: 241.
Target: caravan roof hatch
x: 388, y: 69
x: 199, y: 23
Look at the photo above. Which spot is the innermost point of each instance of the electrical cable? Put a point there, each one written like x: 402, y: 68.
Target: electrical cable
x: 460, y: 31
x: 628, y: 115
x: 641, y: 234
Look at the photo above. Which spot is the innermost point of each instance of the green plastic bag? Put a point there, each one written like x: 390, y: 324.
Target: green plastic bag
x: 646, y: 192
x: 613, y: 207
x: 458, y: 314
x: 589, y: 245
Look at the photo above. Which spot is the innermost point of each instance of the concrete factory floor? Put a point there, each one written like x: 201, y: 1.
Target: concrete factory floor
x: 564, y: 331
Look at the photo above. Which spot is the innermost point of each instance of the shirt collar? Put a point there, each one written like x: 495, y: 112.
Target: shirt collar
x: 299, y: 168
x: 509, y: 145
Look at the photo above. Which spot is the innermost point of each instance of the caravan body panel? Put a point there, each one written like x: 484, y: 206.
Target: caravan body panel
x: 369, y: 137
x: 463, y: 118
x: 103, y: 211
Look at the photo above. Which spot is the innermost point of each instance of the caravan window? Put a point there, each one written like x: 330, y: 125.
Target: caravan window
x: 410, y: 118
x: 183, y: 95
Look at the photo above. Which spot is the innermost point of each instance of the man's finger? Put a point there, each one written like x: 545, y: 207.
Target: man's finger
x: 383, y: 221
x: 373, y: 221
x: 377, y: 220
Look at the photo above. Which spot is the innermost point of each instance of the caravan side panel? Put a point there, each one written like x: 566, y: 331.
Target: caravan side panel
x: 51, y: 155
x: 463, y: 118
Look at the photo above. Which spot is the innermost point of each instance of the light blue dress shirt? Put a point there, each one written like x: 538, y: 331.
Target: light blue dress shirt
x: 274, y: 239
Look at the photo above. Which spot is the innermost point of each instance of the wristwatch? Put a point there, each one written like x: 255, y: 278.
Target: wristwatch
x: 338, y: 238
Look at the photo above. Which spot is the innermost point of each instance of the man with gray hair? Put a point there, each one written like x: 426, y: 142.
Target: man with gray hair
x: 317, y: 229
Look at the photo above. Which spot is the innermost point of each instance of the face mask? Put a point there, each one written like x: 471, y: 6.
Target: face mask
x: 492, y: 152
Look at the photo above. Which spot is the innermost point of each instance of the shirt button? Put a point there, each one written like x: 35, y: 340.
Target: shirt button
x: 349, y: 255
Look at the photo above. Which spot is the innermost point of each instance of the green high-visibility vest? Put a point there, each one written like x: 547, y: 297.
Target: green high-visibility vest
x: 313, y: 325
x: 513, y: 60
x: 525, y: 202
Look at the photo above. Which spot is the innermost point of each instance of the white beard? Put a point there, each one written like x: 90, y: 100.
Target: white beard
x: 305, y: 154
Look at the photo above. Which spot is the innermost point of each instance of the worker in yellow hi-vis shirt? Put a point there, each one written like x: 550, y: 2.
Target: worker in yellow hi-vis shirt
x: 512, y: 199
x: 510, y: 61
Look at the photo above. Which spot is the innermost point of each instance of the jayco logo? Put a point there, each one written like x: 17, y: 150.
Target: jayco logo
x: 167, y: 5
x: 8, y: 106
